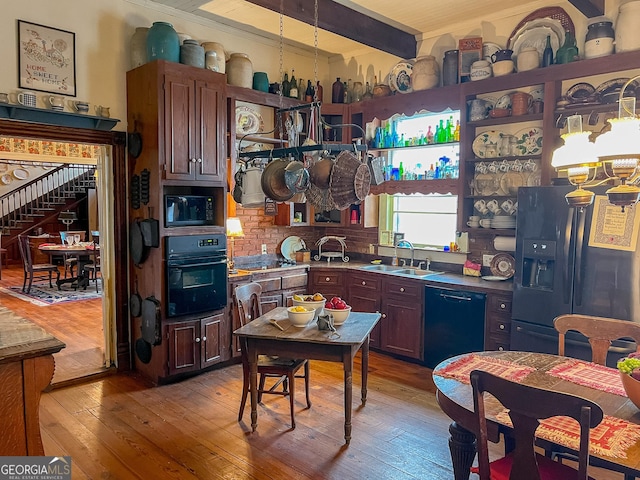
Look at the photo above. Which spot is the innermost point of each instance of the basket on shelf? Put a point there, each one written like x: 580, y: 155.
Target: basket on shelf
x: 350, y: 180
x: 557, y: 13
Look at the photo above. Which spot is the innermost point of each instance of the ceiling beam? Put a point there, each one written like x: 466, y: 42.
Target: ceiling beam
x: 589, y: 8
x: 348, y: 23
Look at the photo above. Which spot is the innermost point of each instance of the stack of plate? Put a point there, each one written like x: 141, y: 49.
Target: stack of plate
x: 503, y: 221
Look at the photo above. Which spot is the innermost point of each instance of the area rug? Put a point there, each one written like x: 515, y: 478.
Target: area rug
x: 460, y: 369
x: 44, y: 296
x: 611, y: 438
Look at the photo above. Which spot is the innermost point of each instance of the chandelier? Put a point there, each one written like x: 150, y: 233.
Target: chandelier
x: 616, y: 153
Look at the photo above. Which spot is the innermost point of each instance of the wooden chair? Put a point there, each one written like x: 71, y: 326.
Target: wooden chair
x: 92, y: 269
x: 247, y: 299
x: 527, y: 405
x: 600, y: 331
x: 31, y: 270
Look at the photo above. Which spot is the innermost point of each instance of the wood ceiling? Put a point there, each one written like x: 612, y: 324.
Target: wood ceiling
x: 350, y: 27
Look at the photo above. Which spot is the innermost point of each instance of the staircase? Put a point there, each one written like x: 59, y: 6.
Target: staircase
x: 38, y: 202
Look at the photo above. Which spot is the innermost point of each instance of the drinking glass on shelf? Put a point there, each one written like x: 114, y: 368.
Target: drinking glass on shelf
x: 69, y: 239
x: 76, y: 239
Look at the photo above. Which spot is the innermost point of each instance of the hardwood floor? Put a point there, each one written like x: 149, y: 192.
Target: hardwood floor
x: 120, y: 427
x: 77, y: 324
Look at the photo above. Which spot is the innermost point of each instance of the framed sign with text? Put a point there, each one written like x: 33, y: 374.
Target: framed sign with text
x: 46, y: 59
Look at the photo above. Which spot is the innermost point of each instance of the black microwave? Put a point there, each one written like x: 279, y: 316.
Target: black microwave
x: 188, y: 210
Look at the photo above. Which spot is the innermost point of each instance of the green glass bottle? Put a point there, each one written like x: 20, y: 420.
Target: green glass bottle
x: 401, y: 171
x: 568, y: 52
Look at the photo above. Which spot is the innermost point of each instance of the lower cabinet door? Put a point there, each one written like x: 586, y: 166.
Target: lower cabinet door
x: 184, y: 347
x: 269, y: 302
x: 401, y: 328
x: 211, y: 343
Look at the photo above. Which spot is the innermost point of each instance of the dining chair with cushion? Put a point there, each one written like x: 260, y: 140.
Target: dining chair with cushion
x: 527, y: 406
x: 284, y: 370
x: 31, y: 270
x: 600, y: 332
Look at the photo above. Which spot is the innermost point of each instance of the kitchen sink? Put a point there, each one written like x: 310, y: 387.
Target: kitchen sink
x: 405, y: 272
x: 381, y: 268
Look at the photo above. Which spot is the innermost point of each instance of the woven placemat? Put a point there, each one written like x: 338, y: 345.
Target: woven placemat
x: 460, y: 369
x: 590, y: 375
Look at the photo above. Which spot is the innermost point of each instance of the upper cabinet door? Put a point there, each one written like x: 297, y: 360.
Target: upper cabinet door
x: 209, y: 132
x: 179, y: 124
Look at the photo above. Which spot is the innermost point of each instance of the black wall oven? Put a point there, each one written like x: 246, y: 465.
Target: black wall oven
x: 196, y: 274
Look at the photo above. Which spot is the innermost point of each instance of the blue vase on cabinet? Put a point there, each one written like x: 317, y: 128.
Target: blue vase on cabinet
x: 163, y: 43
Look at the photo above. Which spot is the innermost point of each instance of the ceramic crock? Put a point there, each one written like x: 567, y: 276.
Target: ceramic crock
x: 501, y: 55
x: 599, y: 39
x: 426, y: 73
x: 240, y: 70
x: 191, y: 53
x: 215, y: 59
x: 163, y: 43
x: 480, y: 70
x: 138, y: 47
x: 528, y: 59
x: 627, y: 31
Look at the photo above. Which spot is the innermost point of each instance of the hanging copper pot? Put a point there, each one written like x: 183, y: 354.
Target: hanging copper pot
x: 272, y: 181
x: 320, y: 173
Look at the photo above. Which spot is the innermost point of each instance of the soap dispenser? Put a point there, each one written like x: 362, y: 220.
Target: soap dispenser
x: 462, y: 240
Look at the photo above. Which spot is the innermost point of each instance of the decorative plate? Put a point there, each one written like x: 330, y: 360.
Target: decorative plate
x: 615, y: 85
x: 400, y: 77
x: 504, y: 101
x: 486, y: 184
x: 6, y: 179
x: 488, y: 137
x: 503, y: 265
x: 534, y: 34
x: 20, y: 173
x: 510, y: 181
x: 580, y: 90
x: 537, y: 94
x: 489, y: 49
x: 248, y: 121
x: 533, y: 179
x: 529, y: 141
x: 494, y: 279
x: 290, y: 246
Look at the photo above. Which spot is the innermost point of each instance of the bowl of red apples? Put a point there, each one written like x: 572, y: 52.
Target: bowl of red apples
x: 338, y: 309
x: 629, y: 368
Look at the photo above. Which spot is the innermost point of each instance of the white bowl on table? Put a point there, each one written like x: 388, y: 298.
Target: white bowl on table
x: 300, y: 319
x: 339, y: 315
x: 315, y: 304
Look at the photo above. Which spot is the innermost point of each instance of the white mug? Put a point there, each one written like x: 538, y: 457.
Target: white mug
x: 56, y: 102
x: 27, y: 99
x: 474, y: 218
x: 473, y: 224
x: 79, y: 106
x: 481, y: 167
x: 481, y: 206
x: 507, y: 206
x: 4, y: 98
x: 102, y: 111
x: 485, y: 223
x: 493, y: 206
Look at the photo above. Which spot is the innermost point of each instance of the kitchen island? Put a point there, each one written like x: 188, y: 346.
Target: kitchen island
x: 26, y: 369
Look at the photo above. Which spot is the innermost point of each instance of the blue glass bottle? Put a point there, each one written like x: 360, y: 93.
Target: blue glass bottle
x: 163, y: 43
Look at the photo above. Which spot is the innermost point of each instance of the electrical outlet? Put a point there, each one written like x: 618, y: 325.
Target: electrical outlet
x: 264, y: 249
x: 486, y: 260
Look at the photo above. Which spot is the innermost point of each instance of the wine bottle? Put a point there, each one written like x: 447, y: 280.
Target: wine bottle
x: 286, y: 86
x: 319, y: 91
x: 293, y: 89
x: 308, y: 94
x: 337, y: 91
x: 301, y: 90
x: 547, y: 55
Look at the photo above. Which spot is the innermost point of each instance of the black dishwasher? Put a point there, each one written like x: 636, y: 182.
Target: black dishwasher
x: 453, y: 323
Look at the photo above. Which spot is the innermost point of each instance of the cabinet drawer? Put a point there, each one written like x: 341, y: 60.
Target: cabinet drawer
x: 292, y: 281
x: 411, y: 290
x: 368, y: 282
x: 498, y: 342
x: 270, y: 284
x: 499, y: 304
x: 500, y: 325
x: 326, y: 278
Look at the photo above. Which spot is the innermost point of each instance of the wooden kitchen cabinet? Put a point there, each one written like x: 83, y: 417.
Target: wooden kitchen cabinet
x: 364, y: 296
x: 498, y: 321
x: 327, y: 281
x: 197, y: 344
x: 194, y: 127
x: 402, y: 324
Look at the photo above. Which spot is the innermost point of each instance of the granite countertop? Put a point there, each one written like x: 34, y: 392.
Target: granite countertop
x: 21, y: 338
x: 444, y: 280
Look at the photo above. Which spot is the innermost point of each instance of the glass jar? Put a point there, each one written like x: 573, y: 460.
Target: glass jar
x: 599, y: 39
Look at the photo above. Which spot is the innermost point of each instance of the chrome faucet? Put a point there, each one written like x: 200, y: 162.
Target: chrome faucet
x: 427, y: 264
x: 406, y: 243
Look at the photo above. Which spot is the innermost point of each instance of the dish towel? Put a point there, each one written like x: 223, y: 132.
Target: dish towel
x: 590, y: 375
x: 460, y: 369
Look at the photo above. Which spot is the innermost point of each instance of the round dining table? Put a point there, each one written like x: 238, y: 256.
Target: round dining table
x: 616, y: 445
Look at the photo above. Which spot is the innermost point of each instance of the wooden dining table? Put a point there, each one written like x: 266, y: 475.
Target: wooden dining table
x: 617, y: 449
x: 264, y: 338
x: 86, y: 249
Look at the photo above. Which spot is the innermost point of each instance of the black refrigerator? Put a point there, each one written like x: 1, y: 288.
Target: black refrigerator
x: 572, y: 260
